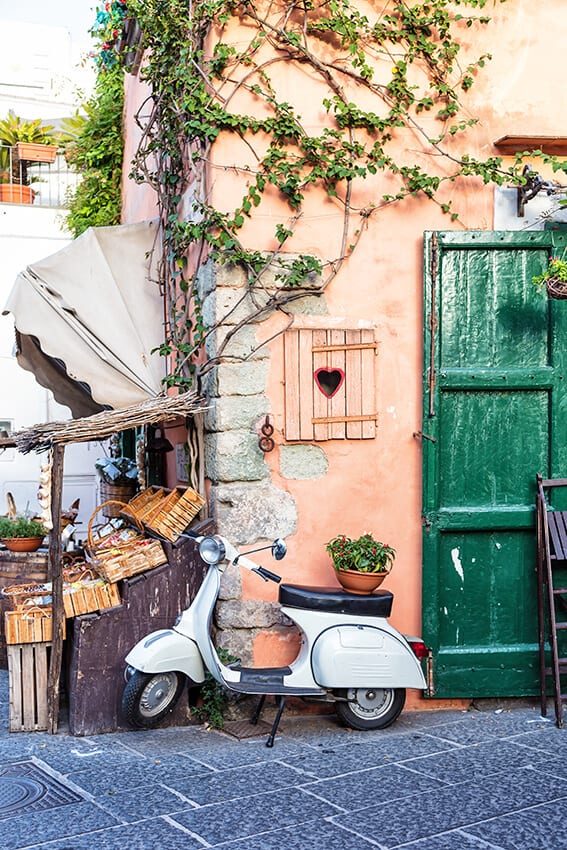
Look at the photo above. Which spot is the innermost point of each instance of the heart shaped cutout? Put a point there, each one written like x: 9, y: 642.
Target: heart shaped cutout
x: 329, y: 381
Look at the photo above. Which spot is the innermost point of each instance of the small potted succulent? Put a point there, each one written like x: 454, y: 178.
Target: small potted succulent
x: 554, y: 278
x: 361, y: 564
x: 22, y: 534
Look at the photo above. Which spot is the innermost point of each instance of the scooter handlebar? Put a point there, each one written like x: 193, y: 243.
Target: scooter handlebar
x: 267, y: 575
x: 245, y: 562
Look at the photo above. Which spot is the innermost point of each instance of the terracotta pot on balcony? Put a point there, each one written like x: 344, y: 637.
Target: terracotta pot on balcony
x: 15, y: 193
x: 33, y: 152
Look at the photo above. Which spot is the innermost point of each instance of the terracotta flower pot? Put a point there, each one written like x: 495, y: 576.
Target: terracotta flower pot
x: 35, y: 152
x: 22, y: 544
x: 14, y: 193
x: 361, y: 583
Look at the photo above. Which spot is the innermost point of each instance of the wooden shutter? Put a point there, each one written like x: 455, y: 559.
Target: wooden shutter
x: 330, y: 386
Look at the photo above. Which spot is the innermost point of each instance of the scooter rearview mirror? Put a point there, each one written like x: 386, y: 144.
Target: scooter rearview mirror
x: 279, y: 548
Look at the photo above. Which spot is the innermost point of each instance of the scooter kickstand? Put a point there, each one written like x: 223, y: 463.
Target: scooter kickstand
x: 258, y: 711
x: 271, y: 738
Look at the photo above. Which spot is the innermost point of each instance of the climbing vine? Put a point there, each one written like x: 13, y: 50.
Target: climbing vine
x: 388, y: 81
x: 96, y: 154
x: 96, y: 146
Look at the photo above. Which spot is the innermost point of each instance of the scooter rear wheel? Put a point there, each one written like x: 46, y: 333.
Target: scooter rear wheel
x: 149, y: 697
x: 371, y: 708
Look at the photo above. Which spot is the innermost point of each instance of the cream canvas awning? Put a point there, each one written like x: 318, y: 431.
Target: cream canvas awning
x: 88, y: 317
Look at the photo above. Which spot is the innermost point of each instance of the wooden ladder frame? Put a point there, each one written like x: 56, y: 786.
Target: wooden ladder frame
x: 551, y: 527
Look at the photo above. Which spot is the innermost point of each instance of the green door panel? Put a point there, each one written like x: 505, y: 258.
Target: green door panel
x: 494, y: 405
x: 474, y: 455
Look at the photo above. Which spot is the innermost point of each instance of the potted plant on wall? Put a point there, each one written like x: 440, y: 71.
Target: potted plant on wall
x: 362, y: 563
x: 22, y: 534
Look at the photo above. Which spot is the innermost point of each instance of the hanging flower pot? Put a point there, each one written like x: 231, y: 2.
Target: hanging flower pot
x: 556, y: 288
x: 554, y: 277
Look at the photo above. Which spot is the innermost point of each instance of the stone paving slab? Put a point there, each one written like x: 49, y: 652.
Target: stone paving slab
x: 438, y: 780
x: 541, y: 827
x: 258, y: 813
x: 425, y: 815
x: 143, y: 835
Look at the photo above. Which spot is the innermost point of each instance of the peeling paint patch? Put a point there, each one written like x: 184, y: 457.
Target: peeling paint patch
x: 392, y: 411
x: 498, y: 545
x: 457, y: 563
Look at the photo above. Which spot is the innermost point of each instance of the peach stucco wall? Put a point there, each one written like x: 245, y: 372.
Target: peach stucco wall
x: 375, y: 485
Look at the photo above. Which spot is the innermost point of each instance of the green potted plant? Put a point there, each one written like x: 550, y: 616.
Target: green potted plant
x: 554, y: 278
x: 362, y: 563
x: 22, y: 534
x: 22, y: 141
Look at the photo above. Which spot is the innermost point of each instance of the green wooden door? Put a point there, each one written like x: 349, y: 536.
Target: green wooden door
x: 495, y: 407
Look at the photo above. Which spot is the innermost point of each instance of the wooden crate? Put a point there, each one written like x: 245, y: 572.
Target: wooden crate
x: 18, y: 568
x: 147, y: 503
x: 178, y: 509
x: 28, y: 667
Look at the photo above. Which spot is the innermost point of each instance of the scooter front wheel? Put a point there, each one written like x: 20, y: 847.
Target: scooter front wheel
x: 370, y: 708
x: 149, y: 697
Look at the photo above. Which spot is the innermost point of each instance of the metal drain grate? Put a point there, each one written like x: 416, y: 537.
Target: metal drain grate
x: 25, y: 788
x: 243, y: 729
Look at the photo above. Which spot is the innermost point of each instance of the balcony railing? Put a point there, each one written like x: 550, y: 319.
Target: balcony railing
x: 43, y: 184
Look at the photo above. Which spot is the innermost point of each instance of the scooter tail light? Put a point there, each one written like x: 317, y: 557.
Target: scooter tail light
x: 420, y: 650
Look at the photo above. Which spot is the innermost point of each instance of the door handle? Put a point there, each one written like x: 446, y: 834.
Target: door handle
x: 420, y: 435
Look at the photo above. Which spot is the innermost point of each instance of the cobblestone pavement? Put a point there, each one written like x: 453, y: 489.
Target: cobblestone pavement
x: 436, y: 780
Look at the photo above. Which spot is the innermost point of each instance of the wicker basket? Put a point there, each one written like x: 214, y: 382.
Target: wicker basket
x: 31, y: 625
x: 112, y: 493
x: 18, y: 595
x: 115, y: 531
x: 84, y: 597
x: 130, y: 562
x: 117, y: 553
x: 556, y: 288
x: 138, y: 557
x: 177, y: 510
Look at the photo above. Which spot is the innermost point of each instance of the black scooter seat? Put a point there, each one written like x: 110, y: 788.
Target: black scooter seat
x: 335, y: 601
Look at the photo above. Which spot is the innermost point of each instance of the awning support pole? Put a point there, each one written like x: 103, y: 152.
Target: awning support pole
x: 56, y: 573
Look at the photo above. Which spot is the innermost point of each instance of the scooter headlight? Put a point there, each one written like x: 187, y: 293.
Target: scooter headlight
x: 212, y: 549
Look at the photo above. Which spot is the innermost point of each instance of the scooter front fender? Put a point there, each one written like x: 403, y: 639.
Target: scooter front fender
x: 165, y: 651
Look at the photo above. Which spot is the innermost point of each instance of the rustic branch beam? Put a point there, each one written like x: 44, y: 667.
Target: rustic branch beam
x: 56, y: 573
x: 100, y: 425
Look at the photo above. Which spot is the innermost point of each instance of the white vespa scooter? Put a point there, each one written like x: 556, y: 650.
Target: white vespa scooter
x: 349, y: 654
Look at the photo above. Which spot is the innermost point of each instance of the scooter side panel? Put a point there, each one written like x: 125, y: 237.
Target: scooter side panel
x: 166, y: 650
x: 364, y: 656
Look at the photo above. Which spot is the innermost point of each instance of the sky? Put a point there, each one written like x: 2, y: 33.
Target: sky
x: 76, y: 15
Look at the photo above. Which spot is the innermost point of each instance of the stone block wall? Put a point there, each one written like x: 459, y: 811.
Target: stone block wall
x: 245, y: 505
